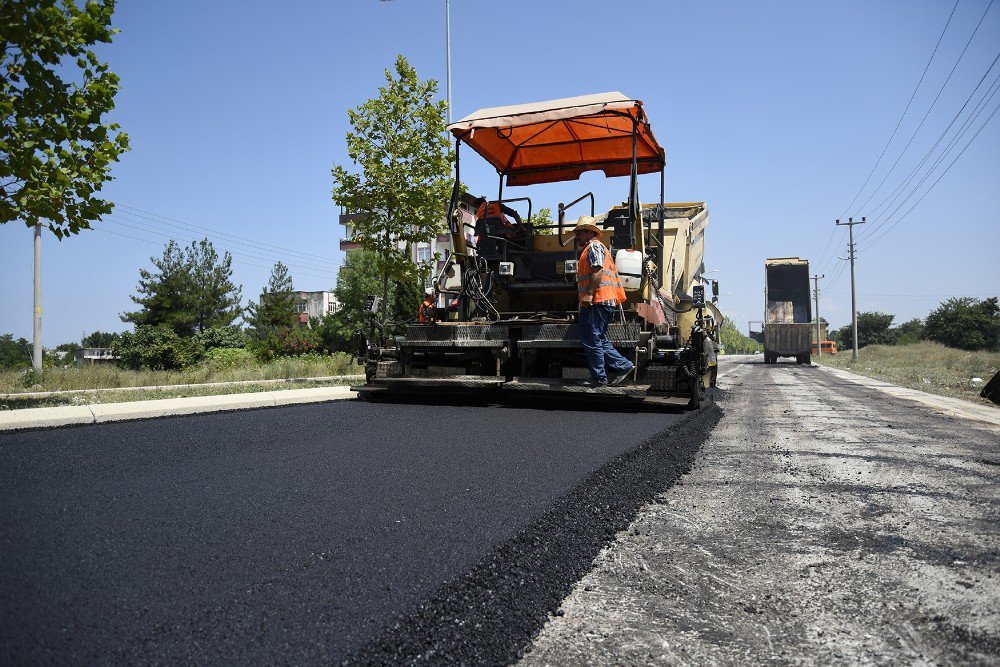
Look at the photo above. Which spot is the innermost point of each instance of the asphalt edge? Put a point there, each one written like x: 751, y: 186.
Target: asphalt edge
x: 34, y: 419
x: 491, y: 614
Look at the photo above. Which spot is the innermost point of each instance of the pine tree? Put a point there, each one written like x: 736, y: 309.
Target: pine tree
x: 276, y: 309
x: 216, y: 298
x: 166, y: 296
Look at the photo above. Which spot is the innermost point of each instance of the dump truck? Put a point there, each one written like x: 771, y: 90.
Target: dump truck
x: 509, y: 326
x: 788, y: 331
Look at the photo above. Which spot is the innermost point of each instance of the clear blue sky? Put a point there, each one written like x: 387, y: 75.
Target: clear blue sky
x: 772, y: 112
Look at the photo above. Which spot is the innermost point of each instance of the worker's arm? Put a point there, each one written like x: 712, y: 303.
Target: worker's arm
x: 595, y: 253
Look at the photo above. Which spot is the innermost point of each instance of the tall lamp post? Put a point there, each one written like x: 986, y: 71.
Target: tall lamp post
x: 447, y: 46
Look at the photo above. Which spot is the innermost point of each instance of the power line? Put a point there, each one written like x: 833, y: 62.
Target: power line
x: 235, y: 261
x: 891, y: 199
x: 898, y: 123
x: 929, y: 109
x: 187, y: 240
x: 232, y: 236
x: 901, y: 218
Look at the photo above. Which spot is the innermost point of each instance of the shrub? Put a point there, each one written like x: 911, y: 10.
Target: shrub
x: 222, y: 337
x: 158, y: 348
x: 286, y: 343
x: 14, y: 353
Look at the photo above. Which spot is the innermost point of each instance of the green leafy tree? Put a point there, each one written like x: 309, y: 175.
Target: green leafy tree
x: 398, y: 142
x: 543, y: 217
x: 735, y: 342
x: 908, y: 333
x: 228, y: 337
x: 100, y: 339
x: 216, y: 298
x: 966, y: 323
x: 55, y: 151
x: 276, y: 309
x: 14, y: 353
x: 873, y: 329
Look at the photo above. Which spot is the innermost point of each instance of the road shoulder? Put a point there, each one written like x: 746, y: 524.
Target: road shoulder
x: 953, y: 407
x: 73, y: 415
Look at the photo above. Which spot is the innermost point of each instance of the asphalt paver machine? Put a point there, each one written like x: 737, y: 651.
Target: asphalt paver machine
x: 508, y: 325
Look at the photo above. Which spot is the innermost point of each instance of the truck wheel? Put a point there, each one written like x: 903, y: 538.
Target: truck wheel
x: 808, y: 359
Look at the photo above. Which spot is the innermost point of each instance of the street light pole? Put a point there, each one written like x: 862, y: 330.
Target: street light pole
x: 447, y: 39
x: 819, y: 340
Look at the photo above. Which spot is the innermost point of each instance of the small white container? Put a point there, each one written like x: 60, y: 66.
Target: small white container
x: 629, y: 264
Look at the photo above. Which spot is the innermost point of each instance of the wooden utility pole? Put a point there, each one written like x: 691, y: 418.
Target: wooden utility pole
x: 819, y: 339
x: 854, y: 294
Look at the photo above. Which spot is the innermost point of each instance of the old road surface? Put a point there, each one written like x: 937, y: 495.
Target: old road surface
x: 823, y: 522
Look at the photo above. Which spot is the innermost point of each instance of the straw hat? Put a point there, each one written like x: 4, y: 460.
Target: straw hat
x: 587, y: 222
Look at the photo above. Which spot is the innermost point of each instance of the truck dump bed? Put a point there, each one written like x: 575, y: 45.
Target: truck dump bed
x: 788, y: 315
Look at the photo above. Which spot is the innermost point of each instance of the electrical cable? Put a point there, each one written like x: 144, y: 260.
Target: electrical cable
x: 929, y: 109
x: 901, y: 218
x: 900, y: 121
x: 977, y: 110
x: 241, y: 238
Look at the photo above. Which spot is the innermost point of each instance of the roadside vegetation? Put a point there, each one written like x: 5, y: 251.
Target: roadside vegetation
x: 954, y: 351
x: 737, y: 343
x: 927, y: 365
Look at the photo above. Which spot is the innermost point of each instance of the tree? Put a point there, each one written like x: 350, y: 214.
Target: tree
x: 166, y: 295
x: 14, y: 353
x: 100, y: 339
x: 276, y: 309
x: 966, y: 323
x: 216, y: 298
x: 908, y: 333
x: 55, y: 151
x: 191, y: 292
x: 398, y: 141
x: 543, y: 217
x: 873, y: 329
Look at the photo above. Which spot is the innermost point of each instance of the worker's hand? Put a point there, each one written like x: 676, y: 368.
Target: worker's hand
x: 587, y: 300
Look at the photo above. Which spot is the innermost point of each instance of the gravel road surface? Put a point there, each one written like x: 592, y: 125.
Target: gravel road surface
x: 316, y: 533
x: 823, y: 523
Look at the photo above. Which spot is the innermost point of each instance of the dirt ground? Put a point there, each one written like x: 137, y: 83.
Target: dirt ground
x: 823, y: 523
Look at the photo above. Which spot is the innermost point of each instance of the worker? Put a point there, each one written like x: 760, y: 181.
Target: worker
x: 426, y: 312
x: 600, y: 291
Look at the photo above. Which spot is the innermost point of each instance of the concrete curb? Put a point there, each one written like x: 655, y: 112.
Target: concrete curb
x: 71, y: 415
x: 953, y: 407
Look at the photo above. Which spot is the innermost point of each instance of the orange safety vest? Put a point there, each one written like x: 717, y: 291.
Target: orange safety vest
x: 610, y: 287
x: 426, y: 311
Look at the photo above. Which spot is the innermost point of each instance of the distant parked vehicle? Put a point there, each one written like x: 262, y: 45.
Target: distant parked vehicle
x: 829, y: 347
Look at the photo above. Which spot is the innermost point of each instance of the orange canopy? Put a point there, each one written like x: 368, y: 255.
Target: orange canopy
x: 558, y: 140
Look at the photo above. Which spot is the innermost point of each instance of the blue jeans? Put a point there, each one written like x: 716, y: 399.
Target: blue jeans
x: 594, y: 322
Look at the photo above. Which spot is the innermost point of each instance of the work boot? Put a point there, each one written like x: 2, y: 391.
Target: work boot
x: 591, y: 384
x: 618, y: 379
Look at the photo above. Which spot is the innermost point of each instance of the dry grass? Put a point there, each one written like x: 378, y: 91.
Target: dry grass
x: 110, y: 376
x: 927, y: 366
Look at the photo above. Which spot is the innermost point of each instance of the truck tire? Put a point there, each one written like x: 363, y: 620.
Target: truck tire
x: 807, y: 359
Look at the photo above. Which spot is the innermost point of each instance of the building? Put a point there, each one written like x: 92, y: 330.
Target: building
x: 422, y: 252
x: 315, y: 304
x: 95, y: 355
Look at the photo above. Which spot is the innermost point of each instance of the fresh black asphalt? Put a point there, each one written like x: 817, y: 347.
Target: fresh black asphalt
x: 315, y: 533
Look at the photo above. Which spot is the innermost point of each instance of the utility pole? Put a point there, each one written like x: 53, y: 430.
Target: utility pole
x: 819, y: 340
x: 854, y: 294
x: 36, y: 351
